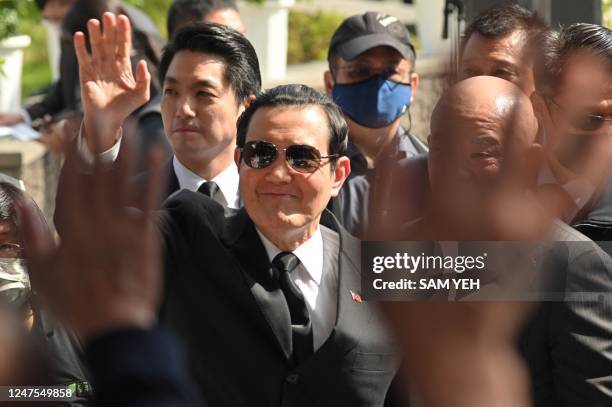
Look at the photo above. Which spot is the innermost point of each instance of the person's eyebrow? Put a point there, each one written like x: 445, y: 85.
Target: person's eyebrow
x: 201, y: 83
x: 504, y: 63
x: 487, y: 141
x: 205, y: 83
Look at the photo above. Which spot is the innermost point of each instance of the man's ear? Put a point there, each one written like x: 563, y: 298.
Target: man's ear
x: 237, y: 155
x: 542, y: 114
x: 340, y: 173
x: 245, y: 104
x: 328, y: 79
x: 414, y: 82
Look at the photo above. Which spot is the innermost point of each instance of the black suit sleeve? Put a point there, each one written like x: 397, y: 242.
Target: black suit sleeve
x: 580, y: 333
x: 52, y: 103
x: 138, y: 368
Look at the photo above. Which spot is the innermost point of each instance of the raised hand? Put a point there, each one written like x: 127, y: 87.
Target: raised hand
x: 106, y: 272
x: 109, y: 90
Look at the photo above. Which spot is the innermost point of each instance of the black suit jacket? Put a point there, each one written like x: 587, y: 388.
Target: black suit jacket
x: 217, y: 278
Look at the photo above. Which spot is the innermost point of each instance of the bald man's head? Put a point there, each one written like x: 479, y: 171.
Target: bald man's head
x: 475, y: 125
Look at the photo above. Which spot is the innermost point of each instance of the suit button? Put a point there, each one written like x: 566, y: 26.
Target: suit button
x: 293, y: 378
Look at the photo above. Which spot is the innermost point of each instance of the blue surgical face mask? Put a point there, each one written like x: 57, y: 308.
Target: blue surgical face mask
x: 374, y: 103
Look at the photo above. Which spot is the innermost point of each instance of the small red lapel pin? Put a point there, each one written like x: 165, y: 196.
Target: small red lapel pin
x: 356, y: 297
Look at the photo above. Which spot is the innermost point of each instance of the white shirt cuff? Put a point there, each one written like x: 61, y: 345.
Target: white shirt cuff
x: 107, y: 157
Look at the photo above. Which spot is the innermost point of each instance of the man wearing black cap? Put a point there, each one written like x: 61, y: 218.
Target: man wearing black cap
x: 371, y: 77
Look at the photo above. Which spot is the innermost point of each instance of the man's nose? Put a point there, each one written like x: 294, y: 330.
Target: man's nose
x: 279, y: 171
x: 185, y: 108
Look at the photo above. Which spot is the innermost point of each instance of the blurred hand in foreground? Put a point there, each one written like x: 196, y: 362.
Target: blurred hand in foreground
x: 105, y: 274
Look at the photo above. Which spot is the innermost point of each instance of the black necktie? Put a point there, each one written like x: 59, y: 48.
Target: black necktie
x: 301, y: 328
x: 211, y: 189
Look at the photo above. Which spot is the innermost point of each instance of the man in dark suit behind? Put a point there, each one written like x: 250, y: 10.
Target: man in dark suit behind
x: 267, y: 300
x: 207, y: 83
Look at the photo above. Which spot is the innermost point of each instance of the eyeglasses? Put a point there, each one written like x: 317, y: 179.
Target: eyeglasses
x: 584, y: 121
x: 302, y: 158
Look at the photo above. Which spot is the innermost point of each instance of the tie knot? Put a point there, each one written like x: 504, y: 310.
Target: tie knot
x: 209, y: 188
x: 285, y: 262
x: 212, y: 190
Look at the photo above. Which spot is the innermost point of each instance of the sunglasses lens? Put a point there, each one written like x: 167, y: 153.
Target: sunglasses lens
x: 259, y: 154
x: 303, y: 158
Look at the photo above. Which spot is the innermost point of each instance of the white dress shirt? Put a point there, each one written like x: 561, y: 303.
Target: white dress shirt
x: 318, y: 284
x: 227, y: 180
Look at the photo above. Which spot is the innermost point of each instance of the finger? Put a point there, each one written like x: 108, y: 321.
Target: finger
x: 74, y: 195
x: 81, y: 51
x: 96, y: 41
x: 143, y: 80
x: 124, y: 37
x: 109, y: 36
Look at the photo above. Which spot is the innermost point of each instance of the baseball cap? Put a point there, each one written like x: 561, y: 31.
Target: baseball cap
x: 362, y: 32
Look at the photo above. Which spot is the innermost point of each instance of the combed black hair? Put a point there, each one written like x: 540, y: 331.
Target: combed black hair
x: 188, y: 11
x: 557, y: 46
x: 241, y: 63
x: 299, y: 96
x: 501, y: 20
x: 40, y: 3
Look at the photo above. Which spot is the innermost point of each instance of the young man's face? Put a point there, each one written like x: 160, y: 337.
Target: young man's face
x: 278, y: 198
x: 504, y: 57
x: 199, y: 106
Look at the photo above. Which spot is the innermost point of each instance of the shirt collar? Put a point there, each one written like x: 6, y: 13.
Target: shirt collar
x: 227, y: 180
x: 310, y: 253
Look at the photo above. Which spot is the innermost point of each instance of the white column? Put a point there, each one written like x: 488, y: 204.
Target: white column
x: 11, y: 57
x: 267, y: 29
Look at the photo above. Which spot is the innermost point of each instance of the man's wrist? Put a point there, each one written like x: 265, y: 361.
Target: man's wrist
x: 105, y: 157
x: 101, y: 135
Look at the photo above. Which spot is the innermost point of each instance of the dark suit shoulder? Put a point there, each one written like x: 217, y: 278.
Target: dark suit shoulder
x: 193, y: 209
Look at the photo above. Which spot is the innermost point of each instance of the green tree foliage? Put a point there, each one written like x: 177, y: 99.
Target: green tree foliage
x: 309, y: 35
x: 11, y: 13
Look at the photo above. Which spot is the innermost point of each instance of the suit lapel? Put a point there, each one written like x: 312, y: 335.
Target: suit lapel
x: 246, y: 246
x: 173, y: 183
x: 352, y: 314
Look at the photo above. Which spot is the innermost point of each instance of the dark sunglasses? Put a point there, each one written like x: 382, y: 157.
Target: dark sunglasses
x: 301, y: 157
x: 585, y: 121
